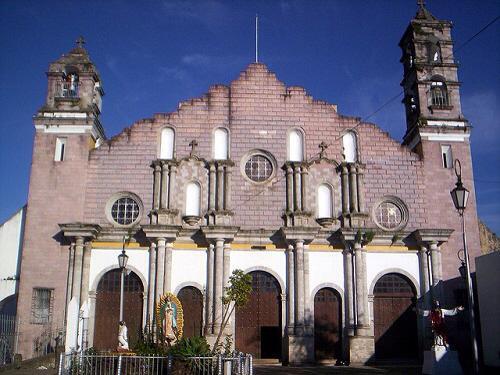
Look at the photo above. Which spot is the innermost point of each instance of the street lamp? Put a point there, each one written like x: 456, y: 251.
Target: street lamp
x: 460, y: 195
x: 462, y: 269
x: 122, y: 262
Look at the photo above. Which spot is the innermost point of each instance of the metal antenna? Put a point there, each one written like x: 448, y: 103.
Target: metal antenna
x: 256, y: 38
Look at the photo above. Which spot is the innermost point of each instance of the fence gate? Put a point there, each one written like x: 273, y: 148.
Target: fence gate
x: 7, y: 338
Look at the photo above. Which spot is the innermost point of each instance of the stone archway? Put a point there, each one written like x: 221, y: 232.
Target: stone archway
x: 258, y: 324
x: 327, y: 324
x: 192, y: 306
x: 395, y: 318
x: 107, y: 310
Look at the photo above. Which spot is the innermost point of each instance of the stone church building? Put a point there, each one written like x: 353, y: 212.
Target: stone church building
x: 343, y: 228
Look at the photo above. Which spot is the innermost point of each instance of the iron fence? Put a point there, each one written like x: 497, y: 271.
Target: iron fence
x: 7, y: 338
x: 85, y: 364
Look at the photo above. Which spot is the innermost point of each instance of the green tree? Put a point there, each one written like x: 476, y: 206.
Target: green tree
x: 236, y: 294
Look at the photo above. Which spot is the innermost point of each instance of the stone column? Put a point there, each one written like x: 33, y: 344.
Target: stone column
x: 77, y: 270
x: 349, y: 290
x: 167, y: 278
x: 211, y: 201
x: 308, y: 319
x: 69, y: 284
x: 345, y: 189
x: 220, y: 187
x: 91, y: 323
x: 366, y: 304
x: 218, y: 281
x: 296, y: 188
x: 86, y: 271
x: 171, y: 186
x: 289, y: 188
x: 164, y: 186
x: 210, y: 290
x: 290, y: 290
x: 303, y: 187
x: 152, y: 283
x: 299, y: 287
x: 227, y: 188
x: 226, y: 275
x: 361, y: 313
x: 424, y: 275
x: 160, y: 270
x: 436, y: 270
x: 156, y: 186
x: 353, y: 191
x: 361, y: 190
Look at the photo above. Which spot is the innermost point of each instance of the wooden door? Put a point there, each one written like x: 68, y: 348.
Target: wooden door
x: 107, y: 310
x: 192, y: 306
x: 327, y: 324
x: 395, y: 318
x: 258, y: 324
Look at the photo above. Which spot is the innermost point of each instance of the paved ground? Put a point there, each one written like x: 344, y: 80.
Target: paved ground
x: 320, y: 370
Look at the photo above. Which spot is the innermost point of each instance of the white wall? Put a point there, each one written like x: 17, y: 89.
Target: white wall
x: 189, y: 267
x: 103, y: 260
x: 488, y: 281
x: 325, y: 268
x: 11, y: 233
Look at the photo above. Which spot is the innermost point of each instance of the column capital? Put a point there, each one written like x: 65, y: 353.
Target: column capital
x: 427, y: 236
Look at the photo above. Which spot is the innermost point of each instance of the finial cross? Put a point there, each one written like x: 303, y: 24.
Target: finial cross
x: 323, y: 146
x: 80, y: 42
x: 193, y: 145
x: 421, y: 3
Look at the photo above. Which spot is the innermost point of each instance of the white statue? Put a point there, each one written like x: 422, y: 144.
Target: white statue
x: 122, y: 337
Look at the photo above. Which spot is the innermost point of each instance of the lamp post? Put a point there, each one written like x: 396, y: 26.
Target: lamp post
x: 460, y: 195
x: 122, y: 262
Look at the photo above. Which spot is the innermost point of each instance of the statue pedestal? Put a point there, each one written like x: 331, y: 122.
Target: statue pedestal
x: 441, y: 360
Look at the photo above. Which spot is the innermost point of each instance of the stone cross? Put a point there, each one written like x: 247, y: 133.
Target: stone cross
x: 193, y: 145
x: 421, y: 3
x: 323, y: 146
x: 80, y: 42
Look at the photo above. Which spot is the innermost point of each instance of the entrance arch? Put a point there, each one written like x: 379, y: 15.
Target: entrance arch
x: 192, y: 307
x: 327, y: 324
x: 395, y: 318
x: 107, y: 310
x: 258, y: 323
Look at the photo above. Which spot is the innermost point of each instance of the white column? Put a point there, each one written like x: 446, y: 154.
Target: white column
x: 164, y: 186
x: 152, y: 282
x: 160, y: 270
x: 349, y: 290
x: 290, y: 290
x: 77, y: 270
x: 210, y: 290
x: 167, y: 278
x: 156, y: 186
x: 220, y: 187
x: 299, y: 287
x: 436, y: 270
x: 218, y: 277
x: 172, y: 187
x: 227, y: 188
x: 211, y: 200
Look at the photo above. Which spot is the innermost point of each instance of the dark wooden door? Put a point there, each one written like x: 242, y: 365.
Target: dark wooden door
x: 107, y: 310
x: 327, y: 324
x: 192, y: 306
x: 395, y: 318
x: 258, y: 324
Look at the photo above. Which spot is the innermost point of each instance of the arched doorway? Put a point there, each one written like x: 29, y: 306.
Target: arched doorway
x: 258, y: 324
x: 192, y: 306
x: 327, y: 324
x: 395, y: 318
x: 107, y: 310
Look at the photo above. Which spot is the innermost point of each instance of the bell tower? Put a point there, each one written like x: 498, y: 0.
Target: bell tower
x: 67, y: 129
x: 437, y: 130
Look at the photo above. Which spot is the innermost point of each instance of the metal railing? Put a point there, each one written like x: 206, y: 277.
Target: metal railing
x: 68, y: 90
x: 85, y: 364
x: 8, y: 336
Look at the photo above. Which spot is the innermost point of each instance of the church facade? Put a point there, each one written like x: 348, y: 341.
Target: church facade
x: 343, y: 228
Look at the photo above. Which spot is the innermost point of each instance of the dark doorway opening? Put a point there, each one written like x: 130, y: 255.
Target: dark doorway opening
x: 395, y: 319
x: 107, y: 310
x: 258, y: 324
x: 192, y: 307
x: 327, y: 325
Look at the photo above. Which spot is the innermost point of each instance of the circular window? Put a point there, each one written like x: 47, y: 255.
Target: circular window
x: 390, y: 214
x: 124, y: 209
x: 258, y: 168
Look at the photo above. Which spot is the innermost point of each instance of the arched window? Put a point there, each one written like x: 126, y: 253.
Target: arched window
x: 325, y: 206
x: 349, y: 145
x: 221, y: 143
x: 193, y: 199
x: 439, y: 94
x: 167, y: 143
x: 295, y: 146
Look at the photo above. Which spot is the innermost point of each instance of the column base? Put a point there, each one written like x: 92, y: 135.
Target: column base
x: 300, y: 349
x: 361, y: 349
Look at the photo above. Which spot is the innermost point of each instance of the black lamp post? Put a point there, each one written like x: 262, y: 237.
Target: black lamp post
x: 460, y: 195
x: 122, y: 262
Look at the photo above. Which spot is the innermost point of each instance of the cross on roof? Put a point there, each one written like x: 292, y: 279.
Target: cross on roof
x: 193, y: 145
x: 421, y: 3
x: 323, y: 146
x: 80, y: 42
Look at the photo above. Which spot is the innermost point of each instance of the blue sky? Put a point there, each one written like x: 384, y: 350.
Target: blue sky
x: 153, y: 54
